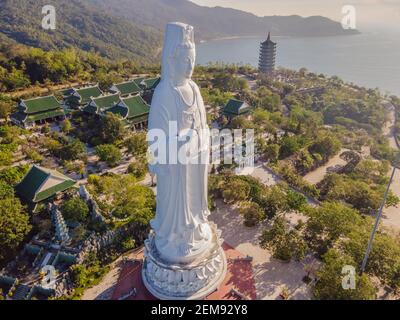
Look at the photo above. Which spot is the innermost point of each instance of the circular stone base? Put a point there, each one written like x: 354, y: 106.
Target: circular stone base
x: 193, y: 281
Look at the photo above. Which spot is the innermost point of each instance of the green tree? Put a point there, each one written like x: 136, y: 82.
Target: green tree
x: 13, y: 175
x: 6, y: 190
x: 124, y: 199
x: 235, y: 190
x: 111, y: 128
x: 329, y: 222
x: 285, y: 244
x: 252, y: 213
x: 295, y: 201
x: 75, y: 209
x: 384, y: 259
x: 137, y: 144
x: 327, y: 145
x: 5, y: 108
x: 272, y: 152
x: 73, y: 150
x: 138, y: 169
x: 330, y: 277
x: 66, y: 126
x: 289, y: 146
x: 275, y: 201
x: 14, y: 226
x: 109, y: 153
x: 6, y: 157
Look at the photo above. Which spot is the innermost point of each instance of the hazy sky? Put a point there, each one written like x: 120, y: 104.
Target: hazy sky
x: 370, y: 13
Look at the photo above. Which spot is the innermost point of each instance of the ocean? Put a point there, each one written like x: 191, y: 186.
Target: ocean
x: 369, y: 59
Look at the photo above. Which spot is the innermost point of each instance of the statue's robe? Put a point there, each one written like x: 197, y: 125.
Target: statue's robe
x: 180, y: 224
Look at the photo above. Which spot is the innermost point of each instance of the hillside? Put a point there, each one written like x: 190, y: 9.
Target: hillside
x: 79, y: 24
x: 218, y: 21
x: 133, y: 28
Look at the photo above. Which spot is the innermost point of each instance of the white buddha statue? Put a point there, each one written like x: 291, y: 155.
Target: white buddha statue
x: 182, y: 232
x: 183, y: 255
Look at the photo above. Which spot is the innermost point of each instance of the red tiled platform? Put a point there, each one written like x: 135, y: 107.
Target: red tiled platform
x: 239, y: 277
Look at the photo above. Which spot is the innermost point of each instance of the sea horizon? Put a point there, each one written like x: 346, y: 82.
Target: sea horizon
x: 368, y: 59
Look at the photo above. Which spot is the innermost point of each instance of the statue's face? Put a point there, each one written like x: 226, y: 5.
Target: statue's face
x: 184, y: 63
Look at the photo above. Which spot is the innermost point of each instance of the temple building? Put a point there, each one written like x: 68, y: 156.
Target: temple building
x: 82, y: 96
x: 133, y: 110
x: 37, y: 110
x: 40, y: 184
x: 267, y: 56
x: 235, y: 108
x: 98, y: 105
x: 126, y: 88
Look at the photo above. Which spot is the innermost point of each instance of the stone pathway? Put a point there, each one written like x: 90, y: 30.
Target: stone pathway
x: 391, y: 216
x: 265, y: 176
x: 318, y: 174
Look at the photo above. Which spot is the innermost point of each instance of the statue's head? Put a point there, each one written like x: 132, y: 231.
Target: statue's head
x: 179, y: 53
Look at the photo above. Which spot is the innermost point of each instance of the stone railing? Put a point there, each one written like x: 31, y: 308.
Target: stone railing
x: 94, y: 243
x: 93, y: 206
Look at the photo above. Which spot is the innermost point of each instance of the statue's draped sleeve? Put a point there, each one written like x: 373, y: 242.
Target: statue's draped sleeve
x: 159, y: 119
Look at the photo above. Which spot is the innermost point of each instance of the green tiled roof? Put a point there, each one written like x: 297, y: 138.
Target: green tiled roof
x: 137, y: 106
x: 106, y: 101
x: 130, y: 87
x: 39, y: 104
x: 131, y: 107
x: 23, y: 117
x: 138, y: 81
x: 119, y: 110
x: 90, y: 109
x: 87, y: 93
x: 31, y: 182
x: 30, y: 185
x: 101, y: 102
x: 45, y: 115
x: 152, y: 83
x: 147, y: 84
x: 53, y: 190
x: 236, y: 107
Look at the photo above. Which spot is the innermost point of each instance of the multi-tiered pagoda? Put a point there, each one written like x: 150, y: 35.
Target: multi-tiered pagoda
x: 267, y: 56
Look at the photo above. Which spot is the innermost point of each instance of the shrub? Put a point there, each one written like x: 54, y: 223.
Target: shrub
x: 138, y: 169
x: 108, y: 153
x: 286, y: 244
x: 252, y: 213
x: 75, y: 209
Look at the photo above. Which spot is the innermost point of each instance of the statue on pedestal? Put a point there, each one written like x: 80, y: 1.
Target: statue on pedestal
x: 183, y: 258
